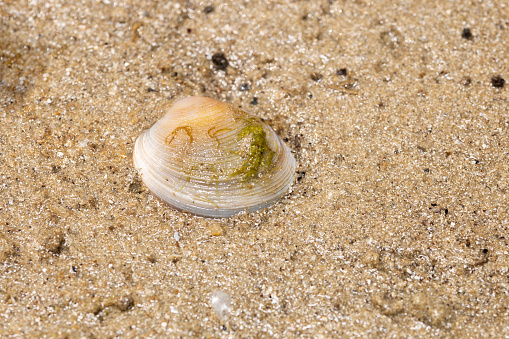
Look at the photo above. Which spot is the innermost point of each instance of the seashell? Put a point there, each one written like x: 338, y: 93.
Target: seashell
x: 212, y: 159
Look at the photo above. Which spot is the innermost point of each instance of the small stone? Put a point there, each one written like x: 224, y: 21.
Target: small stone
x: 316, y: 76
x: 220, y: 301
x: 467, y: 34
x: 219, y: 61
x: 215, y: 229
x: 497, y: 81
x: 208, y: 9
x: 254, y: 101
x: 342, y: 72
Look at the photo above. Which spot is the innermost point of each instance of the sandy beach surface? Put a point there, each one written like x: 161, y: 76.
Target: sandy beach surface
x: 397, y: 223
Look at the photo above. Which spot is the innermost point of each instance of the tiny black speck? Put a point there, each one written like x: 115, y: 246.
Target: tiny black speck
x: 208, y: 9
x: 342, y: 72
x: 497, y: 81
x: 219, y: 61
x: 426, y: 170
x: 254, y: 101
x: 485, y: 250
x: 74, y: 269
x: 467, y: 34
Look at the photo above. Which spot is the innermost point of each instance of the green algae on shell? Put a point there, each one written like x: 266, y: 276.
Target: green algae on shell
x: 258, y: 155
x: 209, y: 158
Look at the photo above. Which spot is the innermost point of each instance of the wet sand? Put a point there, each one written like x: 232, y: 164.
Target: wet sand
x: 396, y: 226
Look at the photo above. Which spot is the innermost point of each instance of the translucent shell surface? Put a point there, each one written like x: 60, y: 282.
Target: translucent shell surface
x: 211, y: 159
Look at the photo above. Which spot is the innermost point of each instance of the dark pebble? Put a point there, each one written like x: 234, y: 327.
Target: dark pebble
x: 467, y: 34
x: 342, y: 72
x: 254, y: 101
x: 497, y: 81
x: 219, y: 61
x: 208, y: 9
x: 316, y: 76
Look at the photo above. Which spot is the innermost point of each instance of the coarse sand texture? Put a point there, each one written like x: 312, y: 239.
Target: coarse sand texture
x: 395, y: 226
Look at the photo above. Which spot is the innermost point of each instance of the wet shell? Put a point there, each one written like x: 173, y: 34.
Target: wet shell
x: 209, y: 158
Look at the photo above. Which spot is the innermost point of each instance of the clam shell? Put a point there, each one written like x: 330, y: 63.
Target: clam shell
x: 212, y: 159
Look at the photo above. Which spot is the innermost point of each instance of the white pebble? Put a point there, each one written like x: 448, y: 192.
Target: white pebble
x: 221, y: 303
